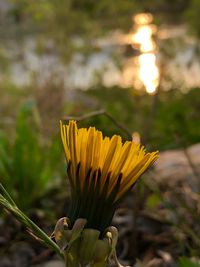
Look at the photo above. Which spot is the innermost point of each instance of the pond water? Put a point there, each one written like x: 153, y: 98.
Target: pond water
x: 142, y: 59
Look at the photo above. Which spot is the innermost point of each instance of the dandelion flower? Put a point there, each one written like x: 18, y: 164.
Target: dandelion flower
x: 101, y: 171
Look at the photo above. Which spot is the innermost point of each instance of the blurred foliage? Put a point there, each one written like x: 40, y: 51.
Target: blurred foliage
x: 173, y: 202
x: 12, y: 97
x: 176, y: 115
x: 162, y: 5
x: 64, y: 20
x: 68, y: 10
x: 184, y: 262
x: 92, y: 14
x: 28, y: 166
x: 31, y: 156
x: 4, y: 63
x: 192, y: 16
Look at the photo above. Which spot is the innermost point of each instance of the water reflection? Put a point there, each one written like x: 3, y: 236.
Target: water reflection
x: 148, y: 72
x: 143, y: 18
x: 125, y: 60
x: 142, y: 39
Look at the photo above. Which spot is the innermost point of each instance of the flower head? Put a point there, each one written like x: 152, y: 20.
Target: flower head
x: 101, y: 171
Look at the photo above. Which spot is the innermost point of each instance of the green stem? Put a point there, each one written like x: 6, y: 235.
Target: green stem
x: 7, y: 202
x: 8, y: 197
x: 45, y: 238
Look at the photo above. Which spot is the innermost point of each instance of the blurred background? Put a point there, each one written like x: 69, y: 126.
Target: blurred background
x: 126, y: 67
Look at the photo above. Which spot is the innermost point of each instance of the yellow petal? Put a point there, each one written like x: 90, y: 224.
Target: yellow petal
x: 115, y: 140
x: 137, y: 171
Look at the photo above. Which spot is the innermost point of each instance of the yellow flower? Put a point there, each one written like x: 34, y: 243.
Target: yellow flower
x: 101, y: 170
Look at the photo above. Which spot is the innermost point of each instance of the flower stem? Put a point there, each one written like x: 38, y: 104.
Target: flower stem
x: 7, y: 202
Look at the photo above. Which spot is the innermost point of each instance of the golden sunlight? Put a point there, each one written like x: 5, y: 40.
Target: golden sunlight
x: 143, y: 38
x: 148, y: 72
x: 143, y: 18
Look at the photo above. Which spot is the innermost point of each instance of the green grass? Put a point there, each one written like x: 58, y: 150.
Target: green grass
x: 28, y: 165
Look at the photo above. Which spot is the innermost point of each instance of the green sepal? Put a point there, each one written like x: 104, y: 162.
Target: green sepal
x: 61, y: 233
x: 100, y: 264
x: 88, y: 243
x: 112, y: 235
x: 70, y: 261
x: 76, y: 231
x: 102, y: 251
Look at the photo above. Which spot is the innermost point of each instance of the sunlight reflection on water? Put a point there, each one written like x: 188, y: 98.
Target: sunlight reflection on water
x: 119, y: 59
x: 142, y: 39
x: 148, y: 72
